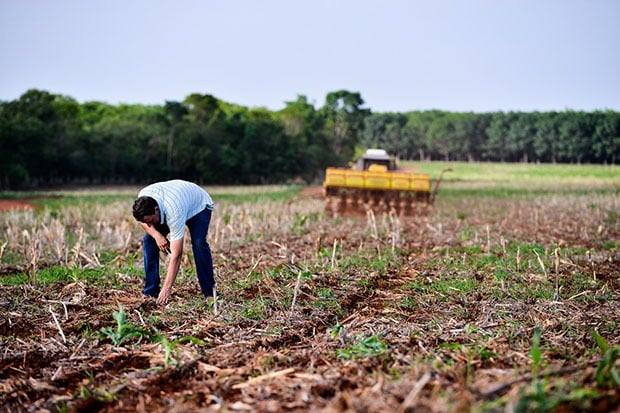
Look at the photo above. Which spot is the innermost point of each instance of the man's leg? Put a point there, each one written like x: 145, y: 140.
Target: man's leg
x: 198, y: 229
x: 151, y: 266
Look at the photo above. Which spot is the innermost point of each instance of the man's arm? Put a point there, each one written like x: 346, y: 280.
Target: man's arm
x: 161, y: 240
x: 176, y: 251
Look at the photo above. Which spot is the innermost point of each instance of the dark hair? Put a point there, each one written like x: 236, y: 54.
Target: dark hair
x: 143, y: 206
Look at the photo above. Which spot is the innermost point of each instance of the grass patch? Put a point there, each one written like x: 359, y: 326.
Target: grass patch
x: 255, y: 194
x: 523, y: 175
x: 52, y: 275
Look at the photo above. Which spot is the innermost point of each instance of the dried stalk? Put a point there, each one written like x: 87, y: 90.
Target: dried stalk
x: 2, y: 249
x: 589, y: 256
x: 260, y: 257
x: 410, y: 401
x: 140, y: 317
x: 55, y: 237
x: 33, y: 252
x: 77, y: 248
x: 556, y: 252
x: 297, y: 283
x: 333, y: 264
x: 258, y: 379
x: 62, y: 334
x: 395, y: 229
x: 542, y: 264
x: 372, y: 222
x: 214, y: 301
x: 488, y: 240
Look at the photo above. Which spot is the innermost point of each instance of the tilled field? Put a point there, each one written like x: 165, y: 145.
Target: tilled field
x: 482, y: 305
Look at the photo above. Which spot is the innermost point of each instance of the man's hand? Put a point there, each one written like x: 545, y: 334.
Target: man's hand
x: 163, y: 244
x: 164, y: 296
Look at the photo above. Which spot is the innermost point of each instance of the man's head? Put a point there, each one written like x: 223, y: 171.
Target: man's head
x: 145, y: 210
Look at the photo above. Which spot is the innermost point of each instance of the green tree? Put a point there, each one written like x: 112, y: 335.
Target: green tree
x: 208, y: 151
x: 344, y: 122
x: 27, y: 139
x: 173, y: 116
x: 119, y: 142
x: 575, y: 133
x: 441, y: 135
x: 474, y: 135
x: 267, y: 153
x: 414, y: 135
x: 545, y: 144
x: 606, y: 137
x: 389, y: 131
x: 304, y: 126
x: 520, y: 136
x: 494, y: 149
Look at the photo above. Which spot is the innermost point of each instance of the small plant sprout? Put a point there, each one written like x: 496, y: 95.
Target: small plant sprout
x: 537, y: 399
x: 536, y: 353
x: 607, y: 375
x: 336, y: 330
x: 169, y: 346
x: 124, y: 330
x: 368, y: 347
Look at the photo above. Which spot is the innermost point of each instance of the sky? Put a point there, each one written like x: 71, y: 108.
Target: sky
x: 400, y: 55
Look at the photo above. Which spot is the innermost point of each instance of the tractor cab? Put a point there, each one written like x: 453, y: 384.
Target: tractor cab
x: 376, y: 160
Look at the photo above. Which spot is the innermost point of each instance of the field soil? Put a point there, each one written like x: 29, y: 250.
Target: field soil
x: 297, y: 311
x: 8, y: 204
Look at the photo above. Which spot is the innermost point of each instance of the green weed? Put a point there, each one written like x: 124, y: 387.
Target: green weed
x: 169, y: 346
x: 336, y: 330
x: 62, y: 407
x: 609, y: 244
x: 255, y: 310
x: 302, y: 222
x: 325, y: 293
x: 607, y: 374
x: 541, y: 396
x: 327, y: 300
x: 536, y: 399
x: 250, y: 281
x: 366, y: 347
x: 408, y: 303
x: 124, y: 330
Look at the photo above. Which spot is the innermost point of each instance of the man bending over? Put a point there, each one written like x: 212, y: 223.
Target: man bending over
x: 165, y: 208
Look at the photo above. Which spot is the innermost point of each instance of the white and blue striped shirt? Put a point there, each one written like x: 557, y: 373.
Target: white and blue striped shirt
x: 178, y: 202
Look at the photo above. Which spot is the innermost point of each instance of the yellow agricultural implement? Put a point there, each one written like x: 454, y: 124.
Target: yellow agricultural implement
x: 376, y: 188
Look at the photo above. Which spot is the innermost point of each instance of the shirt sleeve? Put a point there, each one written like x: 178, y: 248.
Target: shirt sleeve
x: 177, y: 229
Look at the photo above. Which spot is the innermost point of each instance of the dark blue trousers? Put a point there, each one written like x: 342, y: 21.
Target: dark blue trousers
x: 198, y: 228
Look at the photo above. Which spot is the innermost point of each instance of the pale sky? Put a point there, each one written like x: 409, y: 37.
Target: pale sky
x: 400, y: 55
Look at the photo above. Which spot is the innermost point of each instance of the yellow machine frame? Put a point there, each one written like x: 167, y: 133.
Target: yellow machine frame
x: 377, y: 189
x: 382, y: 180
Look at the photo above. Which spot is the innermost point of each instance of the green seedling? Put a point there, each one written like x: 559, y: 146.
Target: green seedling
x: 169, y: 346
x: 124, y: 330
x: 369, y: 347
x: 537, y: 399
x: 607, y: 374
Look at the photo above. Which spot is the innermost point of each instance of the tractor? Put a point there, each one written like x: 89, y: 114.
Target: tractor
x: 376, y: 184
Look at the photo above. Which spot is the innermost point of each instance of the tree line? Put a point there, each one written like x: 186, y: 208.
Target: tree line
x: 51, y: 139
